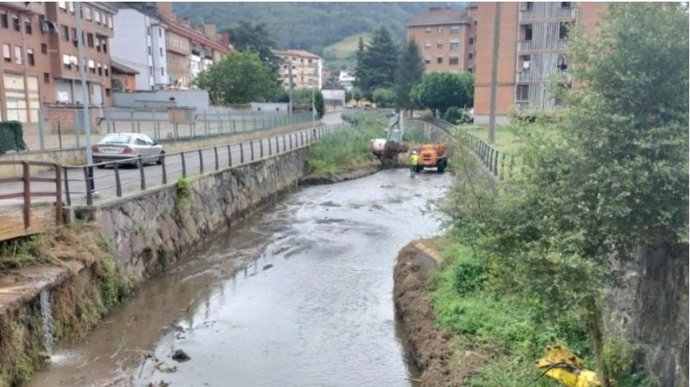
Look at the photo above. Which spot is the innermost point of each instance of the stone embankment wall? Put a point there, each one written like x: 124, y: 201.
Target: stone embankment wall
x: 157, y: 227
x: 648, y: 304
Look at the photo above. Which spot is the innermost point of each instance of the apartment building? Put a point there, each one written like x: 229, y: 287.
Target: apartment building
x: 40, y: 56
x: 139, y: 43
x: 189, y: 51
x: 446, y: 38
x: 532, y: 44
x: 307, y: 68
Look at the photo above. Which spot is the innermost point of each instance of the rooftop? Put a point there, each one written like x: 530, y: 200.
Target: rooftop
x: 299, y: 53
x: 439, y: 16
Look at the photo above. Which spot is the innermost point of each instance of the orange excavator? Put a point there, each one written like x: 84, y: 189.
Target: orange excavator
x: 432, y: 156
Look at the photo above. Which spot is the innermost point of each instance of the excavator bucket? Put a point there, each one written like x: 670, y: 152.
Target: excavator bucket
x: 567, y: 369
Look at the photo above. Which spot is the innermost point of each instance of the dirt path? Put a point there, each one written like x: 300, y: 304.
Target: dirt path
x: 428, y: 344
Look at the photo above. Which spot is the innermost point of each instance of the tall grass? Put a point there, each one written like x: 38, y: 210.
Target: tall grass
x: 346, y: 150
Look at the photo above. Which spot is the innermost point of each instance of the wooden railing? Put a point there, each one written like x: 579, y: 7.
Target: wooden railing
x: 32, y: 220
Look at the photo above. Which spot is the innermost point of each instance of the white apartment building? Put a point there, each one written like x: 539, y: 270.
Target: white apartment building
x: 139, y: 42
x: 307, y: 68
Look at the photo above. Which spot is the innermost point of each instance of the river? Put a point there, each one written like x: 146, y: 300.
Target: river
x: 298, y: 294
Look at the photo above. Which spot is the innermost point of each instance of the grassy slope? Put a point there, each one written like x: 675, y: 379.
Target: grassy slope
x: 342, y: 53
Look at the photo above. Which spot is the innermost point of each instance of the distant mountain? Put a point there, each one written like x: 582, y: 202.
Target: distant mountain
x: 310, y: 26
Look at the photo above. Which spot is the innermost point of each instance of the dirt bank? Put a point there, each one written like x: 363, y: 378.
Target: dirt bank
x: 364, y: 170
x: 428, y: 344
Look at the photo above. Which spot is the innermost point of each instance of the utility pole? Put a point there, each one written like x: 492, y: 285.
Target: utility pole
x: 494, y: 74
x: 84, y: 89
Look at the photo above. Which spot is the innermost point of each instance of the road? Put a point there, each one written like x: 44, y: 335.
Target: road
x: 225, y: 154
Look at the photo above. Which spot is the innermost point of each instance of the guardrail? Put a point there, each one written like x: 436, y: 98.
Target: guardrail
x: 11, y: 227
x: 500, y: 164
x: 94, y: 180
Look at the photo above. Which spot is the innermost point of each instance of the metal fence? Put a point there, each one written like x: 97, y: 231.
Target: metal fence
x: 87, y: 184
x: 66, y: 130
x: 501, y: 164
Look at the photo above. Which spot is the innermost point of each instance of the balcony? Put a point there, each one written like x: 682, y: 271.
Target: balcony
x: 547, y: 11
x: 533, y: 45
x: 522, y: 105
x: 560, y: 76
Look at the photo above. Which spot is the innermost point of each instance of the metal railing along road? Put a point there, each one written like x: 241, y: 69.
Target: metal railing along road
x: 108, y: 180
x: 500, y: 164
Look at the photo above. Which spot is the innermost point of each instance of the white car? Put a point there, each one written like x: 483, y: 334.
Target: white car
x: 127, y: 146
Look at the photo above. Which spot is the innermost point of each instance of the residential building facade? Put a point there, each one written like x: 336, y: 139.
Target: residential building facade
x: 189, y: 51
x: 40, y: 56
x: 139, y: 43
x: 446, y: 38
x: 307, y: 68
x: 532, y: 44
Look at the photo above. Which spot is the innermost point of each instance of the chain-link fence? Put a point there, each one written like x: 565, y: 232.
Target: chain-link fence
x: 63, y: 128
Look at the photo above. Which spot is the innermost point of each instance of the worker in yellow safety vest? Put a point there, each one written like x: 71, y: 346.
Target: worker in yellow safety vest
x: 414, y: 161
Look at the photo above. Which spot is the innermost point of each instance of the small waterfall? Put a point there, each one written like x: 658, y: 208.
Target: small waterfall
x: 47, y: 321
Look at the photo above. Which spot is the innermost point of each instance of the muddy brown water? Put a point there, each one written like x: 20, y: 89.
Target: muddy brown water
x: 300, y: 294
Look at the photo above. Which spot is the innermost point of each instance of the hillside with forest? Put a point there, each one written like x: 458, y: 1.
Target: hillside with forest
x: 309, y: 26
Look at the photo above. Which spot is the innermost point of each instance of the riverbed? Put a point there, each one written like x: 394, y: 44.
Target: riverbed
x: 298, y: 294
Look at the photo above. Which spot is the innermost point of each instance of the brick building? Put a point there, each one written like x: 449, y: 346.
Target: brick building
x: 307, y: 68
x: 39, y: 66
x: 532, y: 45
x: 189, y: 51
x: 446, y: 38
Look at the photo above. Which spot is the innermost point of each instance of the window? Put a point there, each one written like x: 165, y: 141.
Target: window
x: 528, y: 32
x: 470, y: 55
x: 71, y: 6
x: 107, y: 92
x: 148, y: 31
x: 18, y: 55
x: 563, y: 30
x: 160, y: 32
x: 522, y: 93
x: 86, y: 11
x: 453, y: 61
x: 440, y: 30
x: 439, y: 59
x: 427, y: 30
x: 105, y: 70
x: 65, y: 33
x: 75, y: 42
x: 100, y: 69
x: 160, y: 49
x: 427, y: 44
x: 92, y: 66
x: 105, y: 47
x: 27, y: 26
x: 529, y: 6
x: 150, y: 69
x: 427, y: 60
x: 454, y: 45
x: 66, y: 61
x: 63, y: 5
x: 96, y: 16
x: 526, y: 61
x: 4, y: 22
x: 110, y: 21
x: 470, y: 70
x: 439, y: 44
x: 561, y: 63
x: 89, y: 39
x: 454, y: 30
x: 46, y: 78
x: 44, y: 48
x: 15, y: 23
x: 6, y: 54
x: 150, y: 51
x: 30, y: 57
x: 565, y: 4
x: 162, y: 72
x: 471, y: 41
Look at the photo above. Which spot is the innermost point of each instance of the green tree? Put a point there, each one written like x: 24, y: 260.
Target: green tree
x: 410, y: 70
x: 255, y: 38
x: 239, y: 78
x: 440, y: 91
x: 609, y: 177
x: 384, y: 97
x: 376, y: 63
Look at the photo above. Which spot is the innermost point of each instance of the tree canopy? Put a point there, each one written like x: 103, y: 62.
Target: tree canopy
x: 239, y: 78
x: 410, y: 70
x: 376, y: 63
x: 440, y: 91
x: 255, y: 38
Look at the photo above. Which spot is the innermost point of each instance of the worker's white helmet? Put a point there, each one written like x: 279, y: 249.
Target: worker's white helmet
x: 414, y: 152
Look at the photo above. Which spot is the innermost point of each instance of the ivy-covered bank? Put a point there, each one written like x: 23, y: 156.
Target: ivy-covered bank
x: 587, y: 246
x: 54, y: 287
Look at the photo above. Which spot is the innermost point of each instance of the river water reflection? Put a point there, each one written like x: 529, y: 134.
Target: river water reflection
x: 313, y: 307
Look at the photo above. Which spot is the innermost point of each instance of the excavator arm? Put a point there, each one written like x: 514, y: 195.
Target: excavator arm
x: 561, y: 365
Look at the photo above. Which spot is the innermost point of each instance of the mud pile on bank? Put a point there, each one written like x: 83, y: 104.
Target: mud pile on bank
x: 427, y: 343
x: 356, y: 173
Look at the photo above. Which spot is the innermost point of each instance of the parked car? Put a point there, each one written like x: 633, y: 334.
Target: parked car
x: 129, y: 147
